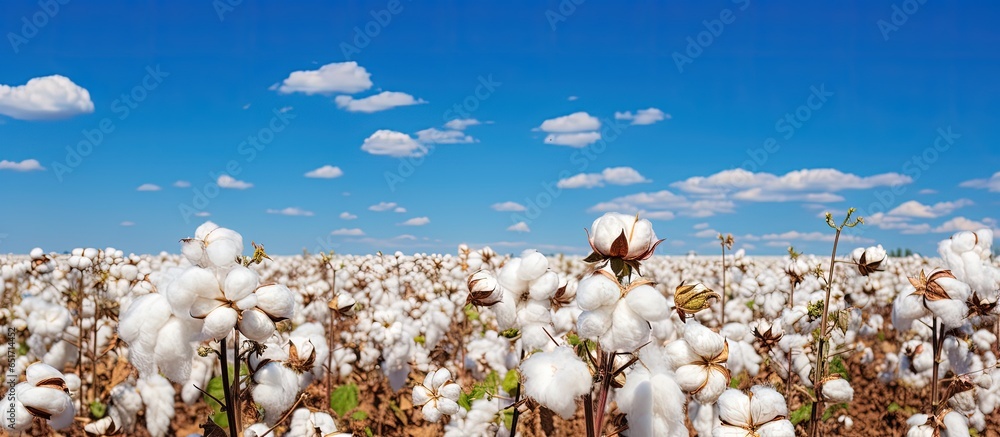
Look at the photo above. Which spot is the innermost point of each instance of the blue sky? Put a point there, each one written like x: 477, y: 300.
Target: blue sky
x: 445, y: 118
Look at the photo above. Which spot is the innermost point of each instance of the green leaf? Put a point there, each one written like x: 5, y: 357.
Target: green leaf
x: 510, y: 333
x: 511, y: 382
x: 508, y: 417
x: 801, y: 414
x: 420, y: 339
x: 215, y: 389
x: 470, y: 312
x: 573, y: 339
x: 837, y: 366
x: 368, y: 432
x: 359, y: 415
x: 98, y: 410
x: 344, y: 399
x: 464, y: 401
x: 893, y: 407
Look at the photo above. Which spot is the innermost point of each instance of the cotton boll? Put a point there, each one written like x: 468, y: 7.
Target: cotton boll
x: 506, y: 310
x: 838, y: 391
x: 596, y: 291
x: 239, y: 283
x: 158, y: 396
x: 556, y: 379
x: 648, y: 303
x: 593, y: 324
x: 276, y: 390
x: 533, y: 265
x: 544, y: 287
x: 628, y: 330
x: 256, y: 430
x: 276, y: 301
x: 219, y: 323
x: 256, y: 325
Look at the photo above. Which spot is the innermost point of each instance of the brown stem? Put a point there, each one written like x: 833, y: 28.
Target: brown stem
x: 722, y: 314
x: 937, y: 342
x: 821, y: 343
x: 607, y: 364
x: 588, y: 412
x: 226, y: 388
x: 237, y: 381
x: 517, y: 401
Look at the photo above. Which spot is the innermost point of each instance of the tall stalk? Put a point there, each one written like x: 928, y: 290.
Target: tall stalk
x: 725, y: 242
x: 230, y: 410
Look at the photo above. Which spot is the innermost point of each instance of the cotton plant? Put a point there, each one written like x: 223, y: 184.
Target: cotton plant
x: 759, y: 412
x: 44, y: 394
x: 437, y: 395
x: 651, y: 398
x: 699, y: 361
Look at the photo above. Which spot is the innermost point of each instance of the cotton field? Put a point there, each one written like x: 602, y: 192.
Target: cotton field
x: 223, y: 339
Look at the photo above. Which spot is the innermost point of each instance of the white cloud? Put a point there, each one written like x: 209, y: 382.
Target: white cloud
x: 337, y: 77
x: 378, y: 102
x: 292, y: 211
x: 353, y: 232
x: 575, y: 122
x: 572, y: 98
x: 582, y: 180
x: 578, y: 139
x: 461, y: 123
x: 643, y: 116
x: 45, y: 98
x: 706, y: 233
x: 963, y: 224
x: 519, y: 227
x: 665, y: 200
x: 347, y: 216
x: 992, y: 184
x: 127, y: 223
x: 148, y: 187
x: 399, y: 210
x: 913, y: 208
x: 508, y: 206
x: 392, y: 143
x: 382, y: 206
x: 433, y: 135
x: 226, y: 181
x: 622, y: 176
x: 25, y: 165
x: 182, y: 184
x: 702, y: 225
x: 769, y: 187
x: 202, y: 214
x: 760, y: 195
x: 416, y: 221
x: 785, y: 237
x: 285, y: 109
x: 927, y: 191
x: 326, y: 172
x: 656, y: 215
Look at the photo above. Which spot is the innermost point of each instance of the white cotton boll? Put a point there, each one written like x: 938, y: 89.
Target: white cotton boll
x: 223, y: 252
x: 39, y: 372
x: 276, y: 390
x: 544, y: 287
x: 780, y: 428
x: 509, y: 279
x: 703, y: 341
x: 951, y: 312
x: 256, y: 430
x: 14, y: 411
x: 256, y: 325
x: 239, y: 283
x: 734, y: 408
x: 596, y: 291
x: 158, y: 396
x: 964, y: 402
x: 276, y: 300
x: 48, y: 400
x: 905, y: 309
x: 305, y: 423
x: 533, y: 266
x: 628, y: 330
x: 202, y: 307
x: 766, y: 404
x: 219, y: 323
x: 173, y: 351
x: 506, y: 310
x: 648, y: 303
x: 556, y: 379
x: 704, y: 418
x: 201, y: 373
x: 64, y: 419
x: 593, y: 324
x: 37, y: 253
x: 838, y: 390
x: 191, y: 284
x: 956, y: 425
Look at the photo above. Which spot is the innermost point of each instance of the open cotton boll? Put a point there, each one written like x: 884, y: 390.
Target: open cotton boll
x: 506, y: 310
x: 306, y: 423
x: 533, y: 265
x: 140, y: 326
x: 593, y: 324
x: 628, y: 330
x: 173, y: 351
x: 219, y: 323
x: 648, y: 303
x: 556, y: 379
x: 276, y: 390
x: 158, y: 395
x: 276, y: 300
x: 654, y: 404
x: 905, y: 309
x: 256, y: 430
x: 256, y: 325
x: 509, y: 278
x: 838, y: 391
x: 239, y: 283
x: 597, y: 290
x: 544, y: 287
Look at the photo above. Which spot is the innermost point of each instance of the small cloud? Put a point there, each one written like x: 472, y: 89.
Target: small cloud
x: 247, y: 106
x: 382, y: 206
x: 927, y: 191
x: 416, y: 221
x: 347, y: 216
x: 202, y: 214
x: 508, y: 206
x: 701, y: 226
x: 433, y: 135
x: 399, y: 210
x: 913, y: 208
x: 405, y: 237
x: 291, y: 211
x: 577, y: 139
x: 285, y: 109
x: 613, y: 176
x: 519, y: 227
x: 337, y: 77
x: 127, y: 223
x: 992, y: 184
x: 572, y: 98
x: 226, y: 181
x: 575, y: 122
x: 182, y: 184
x: 325, y: 172
x: 657, y: 215
x: 391, y: 143
x: 26, y: 165
x: 378, y: 102
x: 148, y: 187
x: 45, y: 98
x: 353, y: 232
x: 643, y: 116
x: 461, y: 123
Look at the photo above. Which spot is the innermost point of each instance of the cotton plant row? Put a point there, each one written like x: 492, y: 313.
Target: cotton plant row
x: 625, y: 340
